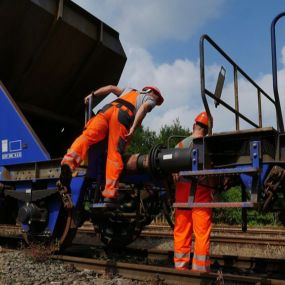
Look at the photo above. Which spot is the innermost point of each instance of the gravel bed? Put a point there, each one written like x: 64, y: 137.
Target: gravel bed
x: 18, y: 268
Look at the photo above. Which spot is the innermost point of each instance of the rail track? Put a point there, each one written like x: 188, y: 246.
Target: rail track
x: 223, y: 234
x: 159, y: 274
x: 156, y: 274
x: 256, y: 242
x: 229, y: 235
x: 155, y: 265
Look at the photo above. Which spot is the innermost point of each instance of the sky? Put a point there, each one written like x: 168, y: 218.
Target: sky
x: 161, y: 41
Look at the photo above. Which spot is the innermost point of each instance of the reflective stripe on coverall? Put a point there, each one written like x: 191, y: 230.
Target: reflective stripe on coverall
x: 114, y: 121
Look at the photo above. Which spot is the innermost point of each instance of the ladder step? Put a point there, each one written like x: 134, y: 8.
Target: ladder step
x: 104, y: 205
x: 191, y: 205
x: 221, y: 171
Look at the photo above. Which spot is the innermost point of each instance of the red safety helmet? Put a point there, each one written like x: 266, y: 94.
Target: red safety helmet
x: 156, y: 91
x: 202, y: 118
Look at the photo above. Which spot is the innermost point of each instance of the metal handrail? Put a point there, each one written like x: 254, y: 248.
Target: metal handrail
x: 236, y: 69
x: 88, y: 110
x: 280, y: 124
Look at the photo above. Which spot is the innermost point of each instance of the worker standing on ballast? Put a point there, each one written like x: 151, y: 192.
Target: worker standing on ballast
x: 117, y: 121
x: 196, y: 220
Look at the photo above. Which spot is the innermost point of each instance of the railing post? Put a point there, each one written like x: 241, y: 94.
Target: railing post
x: 236, y: 97
x: 259, y: 109
x: 202, y: 83
x: 88, y: 109
x: 280, y: 124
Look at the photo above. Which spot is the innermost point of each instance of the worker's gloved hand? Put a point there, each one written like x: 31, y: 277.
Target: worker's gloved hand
x: 65, y: 176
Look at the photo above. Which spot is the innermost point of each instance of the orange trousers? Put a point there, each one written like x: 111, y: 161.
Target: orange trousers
x: 104, y: 124
x: 197, y: 221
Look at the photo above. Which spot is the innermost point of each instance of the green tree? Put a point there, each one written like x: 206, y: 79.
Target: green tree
x: 172, y: 134
x: 232, y: 216
x: 142, y: 141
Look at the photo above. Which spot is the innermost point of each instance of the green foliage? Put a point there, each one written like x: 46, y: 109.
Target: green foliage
x: 232, y: 216
x: 144, y: 139
x: 256, y: 218
x: 168, y: 133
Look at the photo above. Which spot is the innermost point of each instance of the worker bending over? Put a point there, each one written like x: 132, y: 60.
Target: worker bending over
x: 117, y: 121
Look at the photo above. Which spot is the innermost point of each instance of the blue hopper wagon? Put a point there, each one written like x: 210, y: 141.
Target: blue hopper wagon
x: 52, y: 54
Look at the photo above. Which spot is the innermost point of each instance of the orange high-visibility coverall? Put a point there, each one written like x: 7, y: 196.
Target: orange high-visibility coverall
x: 114, y: 121
x: 196, y: 220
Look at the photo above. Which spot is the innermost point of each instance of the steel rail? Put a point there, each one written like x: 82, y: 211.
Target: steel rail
x: 151, y: 273
x: 219, y: 234
x: 216, y: 238
x: 226, y: 229
x: 261, y: 270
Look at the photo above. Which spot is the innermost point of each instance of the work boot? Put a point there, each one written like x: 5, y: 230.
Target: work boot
x: 65, y: 176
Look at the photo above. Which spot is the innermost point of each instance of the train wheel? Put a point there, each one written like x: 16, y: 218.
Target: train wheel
x: 167, y: 204
x: 168, y: 212
x: 62, y: 237
x: 120, y: 228
x: 65, y: 229
x: 63, y: 234
x: 118, y: 234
